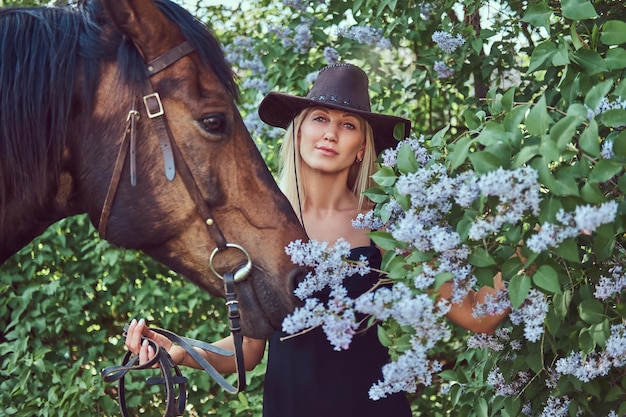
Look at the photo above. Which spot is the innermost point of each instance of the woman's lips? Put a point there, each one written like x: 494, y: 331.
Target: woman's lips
x: 326, y: 151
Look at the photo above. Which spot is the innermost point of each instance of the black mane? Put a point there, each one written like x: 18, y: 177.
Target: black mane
x: 44, y: 51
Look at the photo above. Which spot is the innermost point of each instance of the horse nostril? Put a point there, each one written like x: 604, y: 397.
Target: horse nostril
x: 296, y: 276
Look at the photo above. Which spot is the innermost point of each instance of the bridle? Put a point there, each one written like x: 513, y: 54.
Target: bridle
x: 174, y: 163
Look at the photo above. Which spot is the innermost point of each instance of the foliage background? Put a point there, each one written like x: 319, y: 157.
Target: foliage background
x: 520, y: 79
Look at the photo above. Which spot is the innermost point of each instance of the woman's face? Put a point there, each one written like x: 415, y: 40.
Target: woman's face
x: 331, y: 140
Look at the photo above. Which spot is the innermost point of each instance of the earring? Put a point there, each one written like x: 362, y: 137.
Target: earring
x: 359, y: 160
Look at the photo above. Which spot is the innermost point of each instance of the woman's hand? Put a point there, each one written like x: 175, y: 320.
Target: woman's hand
x: 138, y: 330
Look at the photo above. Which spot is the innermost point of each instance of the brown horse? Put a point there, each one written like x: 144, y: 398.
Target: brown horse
x: 138, y: 91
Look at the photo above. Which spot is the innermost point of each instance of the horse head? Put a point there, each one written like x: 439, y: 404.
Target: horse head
x: 145, y: 193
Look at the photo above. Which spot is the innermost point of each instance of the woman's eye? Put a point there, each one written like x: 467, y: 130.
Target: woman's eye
x: 319, y: 119
x: 214, y: 123
x: 350, y: 126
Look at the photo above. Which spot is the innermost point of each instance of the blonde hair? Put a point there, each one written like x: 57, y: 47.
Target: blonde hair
x: 290, y: 174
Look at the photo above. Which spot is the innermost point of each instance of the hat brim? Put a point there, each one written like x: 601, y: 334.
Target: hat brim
x: 278, y: 110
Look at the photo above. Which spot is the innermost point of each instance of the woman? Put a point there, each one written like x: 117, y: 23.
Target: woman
x: 329, y: 151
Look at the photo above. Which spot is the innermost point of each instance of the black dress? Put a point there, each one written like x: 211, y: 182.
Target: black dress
x: 306, y: 377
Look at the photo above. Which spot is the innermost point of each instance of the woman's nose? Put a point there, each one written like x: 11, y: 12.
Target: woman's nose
x: 330, y: 135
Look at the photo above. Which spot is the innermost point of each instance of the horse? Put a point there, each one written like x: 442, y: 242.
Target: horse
x: 126, y: 110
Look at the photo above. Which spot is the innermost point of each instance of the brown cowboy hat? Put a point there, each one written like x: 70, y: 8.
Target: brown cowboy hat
x: 339, y: 86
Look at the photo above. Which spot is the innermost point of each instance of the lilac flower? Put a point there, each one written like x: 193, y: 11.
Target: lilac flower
x: 607, y: 149
x: 331, y: 56
x: 447, y: 42
x: 442, y: 70
x: 330, y: 268
x: 366, y: 35
x: 390, y: 155
x: 556, y: 407
x: 493, y: 304
x: 496, y: 342
x: 589, y: 218
x: 592, y: 365
x: 584, y: 219
x: 367, y: 221
x: 607, y: 287
x: 504, y: 388
x: 411, y: 368
x: 532, y: 314
x: 303, y: 39
x: 299, y: 5
x: 518, y: 192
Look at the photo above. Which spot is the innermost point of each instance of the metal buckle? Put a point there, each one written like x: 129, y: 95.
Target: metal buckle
x: 157, y: 98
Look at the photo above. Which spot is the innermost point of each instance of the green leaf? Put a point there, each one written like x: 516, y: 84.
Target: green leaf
x: 538, y: 15
x: 588, y: 140
x: 460, y: 152
x: 471, y: 120
x: 547, y: 279
x: 568, y: 249
x: 398, y: 131
x: 613, y: 32
x: 406, y: 161
x: 437, y: 139
x: 615, y: 58
x: 562, y: 304
x: 493, y: 132
x: 383, y: 337
x: 538, y: 119
x: 604, y: 170
x: 591, y: 311
x: 597, y: 93
x: 386, y: 241
x: 385, y: 176
x: 484, y: 161
x: 542, y: 55
x: 563, y: 131
x: 376, y: 195
x: 578, y: 9
x: 591, y: 61
x: 519, y: 286
x: 614, y: 118
x: 481, y: 258
x: 524, y: 155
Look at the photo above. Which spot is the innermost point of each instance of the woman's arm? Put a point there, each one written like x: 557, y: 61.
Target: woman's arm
x: 462, y: 313
x: 253, y: 349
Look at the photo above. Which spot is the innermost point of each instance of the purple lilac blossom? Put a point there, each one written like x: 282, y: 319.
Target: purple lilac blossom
x: 607, y: 149
x: 518, y: 191
x: 496, y: 342
x: 442, y: 70
x: 595, y: 364
x: 447, y: 42
x: 507, y: 389
x: 330, y: 268
x: 367, y: 221
x: 608, y: 287
x: 493, y: 304
x: 584, y: 219
x: 390, y: 156
x: 331, y: 56
x: 532, y: 314
x: 366, y: 35
x: 556, y: 407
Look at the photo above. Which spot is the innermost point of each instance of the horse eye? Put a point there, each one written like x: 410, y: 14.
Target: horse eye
x: 214, y: 123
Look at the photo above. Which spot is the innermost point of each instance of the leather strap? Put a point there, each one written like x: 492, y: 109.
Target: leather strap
x: 175, y: 406
x: 129, y: 134
x: 168, y: 58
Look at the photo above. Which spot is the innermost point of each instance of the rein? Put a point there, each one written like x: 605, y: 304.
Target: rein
x: 174, y: 163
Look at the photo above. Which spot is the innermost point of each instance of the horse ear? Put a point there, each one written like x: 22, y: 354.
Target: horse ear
x: 142, y: 21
